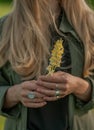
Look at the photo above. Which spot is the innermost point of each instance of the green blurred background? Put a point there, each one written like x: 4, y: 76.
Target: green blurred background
x: 5, y: 7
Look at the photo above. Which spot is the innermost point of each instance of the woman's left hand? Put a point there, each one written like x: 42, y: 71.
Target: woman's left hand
x: 61, y: 84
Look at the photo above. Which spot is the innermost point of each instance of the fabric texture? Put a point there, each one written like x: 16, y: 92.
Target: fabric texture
x: 80, y: 114
x: 55, y: 114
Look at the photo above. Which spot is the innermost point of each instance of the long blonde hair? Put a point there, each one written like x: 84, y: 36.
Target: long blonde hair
x: 81, y: 17
x: 25, y: 39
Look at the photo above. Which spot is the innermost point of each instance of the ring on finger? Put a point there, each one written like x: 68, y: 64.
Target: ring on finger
x: 57, y: 97
x: 57, y: 93
x: 31, y: 95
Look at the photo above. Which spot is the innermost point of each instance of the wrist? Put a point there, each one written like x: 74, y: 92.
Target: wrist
x: 83, y: 90
x: 14, y: 91
x: 11, y: 97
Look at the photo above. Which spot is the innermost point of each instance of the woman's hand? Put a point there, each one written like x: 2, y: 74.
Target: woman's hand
x: 61, y: 84
x: 19, y: 93
x: 28, y: 87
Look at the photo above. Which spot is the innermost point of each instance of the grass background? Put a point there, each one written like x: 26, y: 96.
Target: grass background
x: 5, y: 7
x: 2, y: 119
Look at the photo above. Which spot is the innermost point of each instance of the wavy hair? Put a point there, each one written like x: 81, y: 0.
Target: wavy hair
x: 26, y: 40
x: 25, y: 37
x: 81, y: 17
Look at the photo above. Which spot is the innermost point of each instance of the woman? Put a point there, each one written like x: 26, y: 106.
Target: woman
x: 35, y: 94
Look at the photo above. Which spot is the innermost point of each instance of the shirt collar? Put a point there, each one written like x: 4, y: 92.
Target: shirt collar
x: 66, y: 27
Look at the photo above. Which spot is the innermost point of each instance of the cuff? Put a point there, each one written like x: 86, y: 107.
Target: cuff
x: 90, y: 104
x: 13, y: 112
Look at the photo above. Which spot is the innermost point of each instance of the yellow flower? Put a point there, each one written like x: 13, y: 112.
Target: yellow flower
x: 56, y: 56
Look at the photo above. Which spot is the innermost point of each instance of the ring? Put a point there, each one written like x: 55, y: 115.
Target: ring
x: 57, y: 93
x: 57, y: 97
x: 31, y: 95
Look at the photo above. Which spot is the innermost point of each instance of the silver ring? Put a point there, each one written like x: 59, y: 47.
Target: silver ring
x: 31, y: 95
x: 57, y: 93
x: 57, y: 97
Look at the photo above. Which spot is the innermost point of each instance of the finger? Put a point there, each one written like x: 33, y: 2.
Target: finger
x: 52, y: 93
x: 35, y: 100
x: 37, y: 94
x: 35, y: 105
x: 56, y: 77
x: 28, y: 85
x: 53, y: 98
x: 46, y: 84
x: 47, y: 92
x: 53, y: 86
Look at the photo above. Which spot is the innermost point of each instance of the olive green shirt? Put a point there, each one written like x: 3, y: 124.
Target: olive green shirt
x: 81, y: 115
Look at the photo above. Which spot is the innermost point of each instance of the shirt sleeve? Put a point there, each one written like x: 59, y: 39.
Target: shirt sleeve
x: 13, y: 112
x: 90, y: 104
x: 5, y: 84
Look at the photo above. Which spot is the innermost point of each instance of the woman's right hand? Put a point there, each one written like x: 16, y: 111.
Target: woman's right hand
x: 19, y: 93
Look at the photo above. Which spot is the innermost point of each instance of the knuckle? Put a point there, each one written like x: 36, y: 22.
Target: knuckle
x: 23, y: 85
x: 65, y: 88
x: 66, y: 79
x: 21, y: 93
x: 27, y: 83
